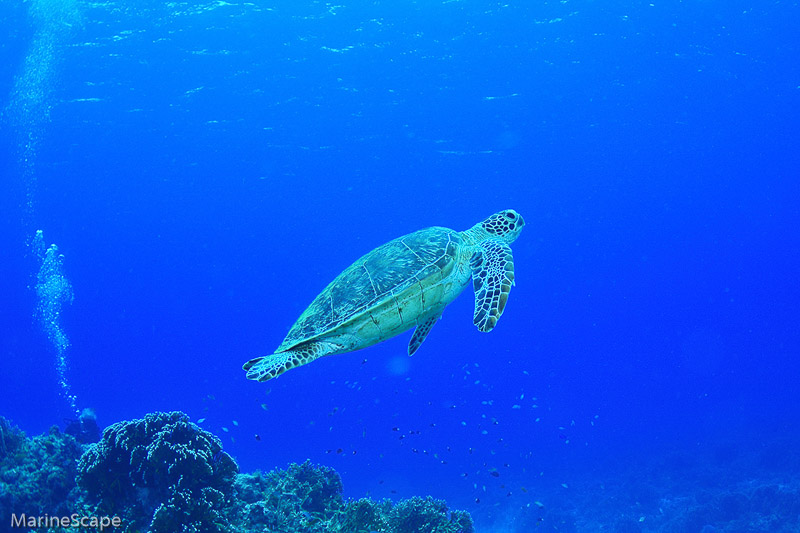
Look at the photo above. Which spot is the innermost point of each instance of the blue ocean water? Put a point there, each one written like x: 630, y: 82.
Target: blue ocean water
x: 206, y: 168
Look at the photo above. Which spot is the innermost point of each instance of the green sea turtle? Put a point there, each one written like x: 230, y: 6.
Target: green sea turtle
x: 403, y: 284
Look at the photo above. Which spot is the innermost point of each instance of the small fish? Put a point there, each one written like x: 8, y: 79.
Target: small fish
x: 201, y: 420
x: 258, y: 437
x: 494, y: 473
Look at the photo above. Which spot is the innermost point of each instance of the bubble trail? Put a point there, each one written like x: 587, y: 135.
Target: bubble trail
x: 27, y: 114
x: 53, y: 291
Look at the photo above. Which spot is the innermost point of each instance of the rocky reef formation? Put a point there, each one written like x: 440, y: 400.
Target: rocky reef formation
x: 165, y: 474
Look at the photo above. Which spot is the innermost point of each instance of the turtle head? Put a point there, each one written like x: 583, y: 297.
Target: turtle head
x: 505, y: 225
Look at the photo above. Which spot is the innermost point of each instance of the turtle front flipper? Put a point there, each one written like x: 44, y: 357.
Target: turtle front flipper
x: 492, y: 278
x: 423, y: 328
x: 271, y: 366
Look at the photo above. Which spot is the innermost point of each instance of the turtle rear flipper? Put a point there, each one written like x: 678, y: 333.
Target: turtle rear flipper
x: 272, y: 366
x: 423, y: 328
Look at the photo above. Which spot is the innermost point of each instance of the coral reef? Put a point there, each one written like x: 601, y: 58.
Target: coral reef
x: 308, y: 498
x: 365, y: 515
x: 301, y: 498
x: 426, y: 515
x: 37, y: 475
x: 415, y: 515
x: 164, y: 474
x: 161, y: 472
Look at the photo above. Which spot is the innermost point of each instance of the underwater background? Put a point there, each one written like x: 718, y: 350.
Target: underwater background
x: 206, y: 168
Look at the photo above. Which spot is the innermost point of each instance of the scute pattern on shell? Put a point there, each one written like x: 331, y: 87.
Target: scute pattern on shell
x: 386, y: 270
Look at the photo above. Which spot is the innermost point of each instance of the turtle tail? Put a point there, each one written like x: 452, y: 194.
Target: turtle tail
x: 272, y: 366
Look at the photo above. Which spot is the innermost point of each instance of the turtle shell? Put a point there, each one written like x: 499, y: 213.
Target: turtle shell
x: 378, y: 275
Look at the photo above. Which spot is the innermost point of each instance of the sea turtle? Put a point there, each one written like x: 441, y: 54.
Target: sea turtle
x: 403, y: 284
